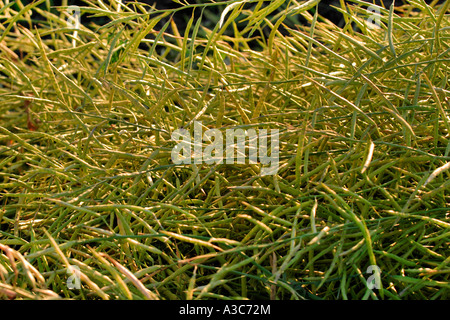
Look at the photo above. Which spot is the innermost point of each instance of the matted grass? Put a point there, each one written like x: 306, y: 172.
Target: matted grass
x: 87, y: 180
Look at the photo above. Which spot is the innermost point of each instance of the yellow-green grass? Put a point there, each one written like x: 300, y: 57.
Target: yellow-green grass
x: 87, y: 180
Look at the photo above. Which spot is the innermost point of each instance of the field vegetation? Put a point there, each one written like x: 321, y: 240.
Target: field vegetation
x: 88, y: 187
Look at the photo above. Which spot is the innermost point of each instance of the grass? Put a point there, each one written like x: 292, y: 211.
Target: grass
x: 87, y: 181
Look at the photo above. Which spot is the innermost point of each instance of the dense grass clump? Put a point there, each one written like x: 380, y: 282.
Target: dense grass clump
x: 87, y: 180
